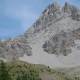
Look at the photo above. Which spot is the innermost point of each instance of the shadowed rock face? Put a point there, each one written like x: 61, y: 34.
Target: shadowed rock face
x: 59, y: 44
x: 62, y: 42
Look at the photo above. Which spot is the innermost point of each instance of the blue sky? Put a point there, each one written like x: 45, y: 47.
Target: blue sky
x: 17, y: 15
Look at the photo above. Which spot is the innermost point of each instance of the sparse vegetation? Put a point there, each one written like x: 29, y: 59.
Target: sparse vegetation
x: 23, y: 71
x: 18, y: 71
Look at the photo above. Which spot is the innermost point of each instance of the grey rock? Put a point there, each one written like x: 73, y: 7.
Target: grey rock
x: 61, y: 38
x: 72, y: 11
x: 54, y: 32
x: 62, y: 42
x: 13, y: 49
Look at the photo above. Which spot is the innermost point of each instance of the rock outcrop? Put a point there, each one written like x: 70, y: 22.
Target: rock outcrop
x: 13, y: 49
x: 53, y: 13
x: 59, y: 44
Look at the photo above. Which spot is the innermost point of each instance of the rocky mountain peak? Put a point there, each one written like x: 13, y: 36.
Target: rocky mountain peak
x: 55, y: 37
x: 67, y: 8
x: 52, y: 14
x: 71, y: 10
x: 52, y: 8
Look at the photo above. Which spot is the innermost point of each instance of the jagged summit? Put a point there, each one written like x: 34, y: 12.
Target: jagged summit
x: 53, y: 13
x: 67, y: 8
x: 51, y: 8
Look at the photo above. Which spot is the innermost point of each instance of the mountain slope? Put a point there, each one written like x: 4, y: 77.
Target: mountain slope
x: 55, y: 22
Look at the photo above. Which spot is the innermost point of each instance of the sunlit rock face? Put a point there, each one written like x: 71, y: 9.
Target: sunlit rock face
x: 62, y: 42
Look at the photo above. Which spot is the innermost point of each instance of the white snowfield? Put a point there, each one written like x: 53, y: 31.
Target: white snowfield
x: 54, y: 61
